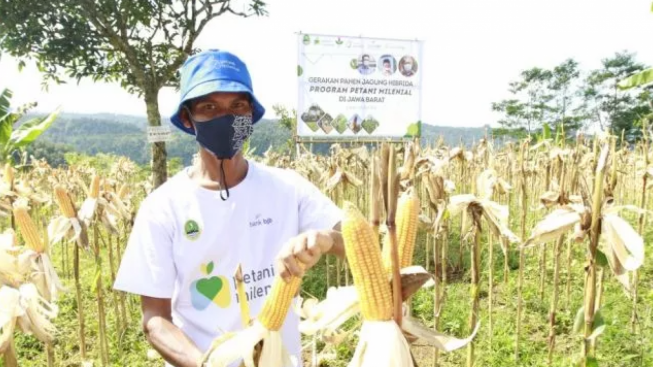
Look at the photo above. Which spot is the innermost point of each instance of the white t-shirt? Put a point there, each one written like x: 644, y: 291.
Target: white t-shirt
x: 186, y: 245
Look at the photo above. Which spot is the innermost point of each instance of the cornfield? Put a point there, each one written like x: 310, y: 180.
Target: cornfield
x: 528, y: 253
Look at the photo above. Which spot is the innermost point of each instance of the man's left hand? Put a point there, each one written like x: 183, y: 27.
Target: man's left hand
x: 306, y: 248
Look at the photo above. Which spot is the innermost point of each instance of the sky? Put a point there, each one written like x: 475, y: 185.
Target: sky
x: 472, y: 50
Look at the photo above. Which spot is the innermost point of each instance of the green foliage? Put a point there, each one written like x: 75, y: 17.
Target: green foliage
x: 515, y: 133
x: 88, y: 135
x: 14, y: 135
x: 637, y: 80
x: 288, y: 122
x: 546, y: 132
x: 53, y: 153
x: 175, y: 165
x: 139, y: 44
x: 607, y: 104
x: 574, y: 100
x: 414, y: 130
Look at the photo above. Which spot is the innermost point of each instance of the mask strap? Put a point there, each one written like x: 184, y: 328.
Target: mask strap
x: 223, y: 181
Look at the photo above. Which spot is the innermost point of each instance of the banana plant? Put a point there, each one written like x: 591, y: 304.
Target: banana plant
x: 13, y: 138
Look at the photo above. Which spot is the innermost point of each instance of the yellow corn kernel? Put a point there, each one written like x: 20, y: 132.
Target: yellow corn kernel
x: 94, y: 191
x: 364, y: 259
x: 107, y: 185
x: 124, y: 190
x: 242, y: 297
x: 407, y: 223
x: 66, y: 206
x: 9, y: 175
x: 277, y: 304
x: 27, y: 227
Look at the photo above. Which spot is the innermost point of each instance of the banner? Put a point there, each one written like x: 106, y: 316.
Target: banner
x: 354, y: 87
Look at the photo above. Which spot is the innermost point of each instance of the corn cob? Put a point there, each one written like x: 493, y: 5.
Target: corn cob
x: 407, y: 224
x: 95, y: 187
x: 9, y: 175
x: 364, y: 258
x: 107, y: 185
x: 124, y: 190
x: 27, y: 227
x: 66, y: 206
x: 276, y: 306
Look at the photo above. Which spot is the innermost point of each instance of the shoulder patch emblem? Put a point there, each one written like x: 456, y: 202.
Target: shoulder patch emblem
x: 192, y: 230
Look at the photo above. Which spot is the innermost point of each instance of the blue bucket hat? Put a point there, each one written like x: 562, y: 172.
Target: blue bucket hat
x: 214, y: 71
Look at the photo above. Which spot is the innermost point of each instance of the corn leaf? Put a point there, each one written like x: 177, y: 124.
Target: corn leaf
x: 598, y: 324
x: 434, y: 338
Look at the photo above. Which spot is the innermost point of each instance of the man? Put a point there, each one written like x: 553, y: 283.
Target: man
x: 191, y: 234
x: 387, y: 69
x: 364, y: 67
x: 407, y: 66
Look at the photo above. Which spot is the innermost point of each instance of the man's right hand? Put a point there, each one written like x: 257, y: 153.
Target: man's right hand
x: 165, y: 337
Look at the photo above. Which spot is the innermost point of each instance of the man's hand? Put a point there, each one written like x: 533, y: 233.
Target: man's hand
x: 172, y: 344
x: 307, y: 249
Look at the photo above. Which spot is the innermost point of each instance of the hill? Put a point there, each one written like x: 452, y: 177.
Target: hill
x: 125, y: 135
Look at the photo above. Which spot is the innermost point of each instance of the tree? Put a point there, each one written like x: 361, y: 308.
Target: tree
x: 138, y: 43
x: 288, y: 122
x: 568, y: 113
x: 53, y: 153
x: 530, y: 108
x: 609, y: 105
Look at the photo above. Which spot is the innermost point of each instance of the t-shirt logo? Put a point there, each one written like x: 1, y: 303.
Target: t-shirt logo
x: 192, y: 230
x: 207, y: 290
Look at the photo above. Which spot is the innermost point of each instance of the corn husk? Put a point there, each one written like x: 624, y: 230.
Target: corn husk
x: 45, y: 278
x: 495, y: 214
x: 23, y: 306
x: 342, y: 177
x: 15, y: 264
x: 233, y: 347
x: 327, y: 316
x: 71, y: 229
x: 87, y: 210
x: 555, y: 224
x: 9, y: 312
x: 341, y: 304
x: 381, y: 344
x: 485, y: 184
x: 626, y: 243
x: 37, y: 315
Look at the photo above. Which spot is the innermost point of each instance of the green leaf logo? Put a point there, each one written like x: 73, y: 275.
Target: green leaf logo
x: 192, y: 230
x: 300, y: 71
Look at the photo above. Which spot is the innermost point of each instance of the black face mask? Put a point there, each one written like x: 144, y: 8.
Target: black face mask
x: 223, y: 137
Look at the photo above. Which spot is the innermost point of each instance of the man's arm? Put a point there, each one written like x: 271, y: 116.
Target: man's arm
x: 171, y: 343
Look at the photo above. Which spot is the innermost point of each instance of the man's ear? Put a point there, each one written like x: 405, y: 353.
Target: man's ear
x: 185, y: 118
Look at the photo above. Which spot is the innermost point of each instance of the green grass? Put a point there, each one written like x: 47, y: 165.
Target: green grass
x: 618, y: 346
